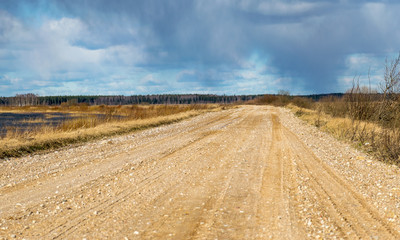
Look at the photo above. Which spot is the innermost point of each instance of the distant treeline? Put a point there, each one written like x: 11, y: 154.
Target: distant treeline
x: 32, y: 99
x: 317, y: 97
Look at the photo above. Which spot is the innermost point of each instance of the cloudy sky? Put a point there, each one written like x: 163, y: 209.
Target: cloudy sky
x: 70, y: 47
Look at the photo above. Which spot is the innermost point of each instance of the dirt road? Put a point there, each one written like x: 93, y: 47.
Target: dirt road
x: 253, y: 172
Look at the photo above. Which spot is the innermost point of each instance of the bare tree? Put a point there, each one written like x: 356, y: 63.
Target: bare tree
x: 283, y: 92
x: 391, y: 85
x: 390, y: 88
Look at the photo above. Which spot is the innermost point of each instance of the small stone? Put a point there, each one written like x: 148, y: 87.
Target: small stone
x: 136, y: 232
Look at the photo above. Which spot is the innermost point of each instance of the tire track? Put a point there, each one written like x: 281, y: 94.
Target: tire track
x: 16, y: 192
x: 352, y: 215
x: 122, y: 196
x: 277, y: 214
x: 72, y: 222
x: 167, y: 136
x: 239, y: 174
x: 191, y: 228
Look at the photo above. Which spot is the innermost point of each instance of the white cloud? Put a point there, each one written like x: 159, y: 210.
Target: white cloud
x: 185, y: 73
x: 66, y: 29
x: 361, y: 61
x: 375, y: 11
x: 128, y: 55
x: 47, y: 49
x: 306, y: 45
x: 149, y: 79
x: 383, y: 23
x: 282, y: 8
x: 46, y: 56
x: 367, y: 68
x: 7, y: 80
x: 277, y: 7
x: 11, y: 29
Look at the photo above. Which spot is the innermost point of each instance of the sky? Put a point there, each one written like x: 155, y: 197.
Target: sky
x: 129, y: 47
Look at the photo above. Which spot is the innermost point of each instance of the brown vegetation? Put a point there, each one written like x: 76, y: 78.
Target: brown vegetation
x: 254, y: 172
x: 367, y: 116
x: 375, y: 116
x: 93, y: 122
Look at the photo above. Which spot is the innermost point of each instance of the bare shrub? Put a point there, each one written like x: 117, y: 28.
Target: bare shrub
x: 333, y: 105
x: 373, y: 118
x: 359, y: 101
x: 266, y: 100
x: 389, y: 145
x: 303, y: 102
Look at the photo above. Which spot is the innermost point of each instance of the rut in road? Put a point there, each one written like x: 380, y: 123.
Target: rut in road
x: 235, y: 174
x: 346, y: 211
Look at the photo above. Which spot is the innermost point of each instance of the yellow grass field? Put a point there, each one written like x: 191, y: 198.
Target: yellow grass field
x: 114, y: 120
x: 368, y: 136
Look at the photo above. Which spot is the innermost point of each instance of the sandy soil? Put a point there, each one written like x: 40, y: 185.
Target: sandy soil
x: 254, y: 172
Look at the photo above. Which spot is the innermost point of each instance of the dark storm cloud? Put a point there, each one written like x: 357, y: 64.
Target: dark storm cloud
x: 306, y: 42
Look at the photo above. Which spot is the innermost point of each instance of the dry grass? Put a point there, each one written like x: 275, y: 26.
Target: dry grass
x: 104, y: 109
x: 369, y: 136
x: 91, y: 127
x: 33, y: 120
x: 363, y: 114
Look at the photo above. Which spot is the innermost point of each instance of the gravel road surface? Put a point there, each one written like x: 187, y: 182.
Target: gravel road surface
x: 252, y: 172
